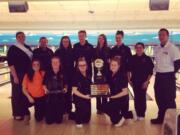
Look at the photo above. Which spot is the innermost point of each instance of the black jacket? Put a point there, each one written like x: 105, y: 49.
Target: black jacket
x: 140, y: 67
x: 117, y: 82
x: 83, y: 51
x: 66, y: 57
x: 19, y: 59
x: 124, y: 52
x: 44, y: 55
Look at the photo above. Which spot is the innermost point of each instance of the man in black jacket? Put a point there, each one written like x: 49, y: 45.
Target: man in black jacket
x: 44, y: 54
x: 83, y: 49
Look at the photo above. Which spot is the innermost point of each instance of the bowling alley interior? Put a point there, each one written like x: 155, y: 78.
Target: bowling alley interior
x: 140, y: 20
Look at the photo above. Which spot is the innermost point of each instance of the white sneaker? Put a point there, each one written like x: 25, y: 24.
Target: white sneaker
x: 79, y: 125
x: 140, y: 118
x: 121, y: 122
x: 135, y: 117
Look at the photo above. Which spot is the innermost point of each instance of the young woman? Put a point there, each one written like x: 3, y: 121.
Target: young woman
x: 102, y: 51
x: 140, y: 72
x: 65, y: 53
x: 55, y: 88
x: 118, y: 106
x: 33, y: 89
x: 122, y: 50
x: 81, y: 90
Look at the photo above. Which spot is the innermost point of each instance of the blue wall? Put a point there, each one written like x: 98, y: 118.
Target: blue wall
x: 130, y: 38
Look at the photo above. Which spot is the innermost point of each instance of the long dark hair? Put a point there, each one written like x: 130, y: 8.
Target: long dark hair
x: 30, y: 73
x: 105, y: 41
x: 61, y: 43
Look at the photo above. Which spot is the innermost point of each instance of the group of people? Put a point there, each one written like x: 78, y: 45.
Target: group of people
x: 53, y: 81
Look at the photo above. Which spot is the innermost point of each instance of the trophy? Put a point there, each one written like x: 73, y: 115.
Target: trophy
x: 98, y: 67
x: 99, y: 86
x: 99, y: 63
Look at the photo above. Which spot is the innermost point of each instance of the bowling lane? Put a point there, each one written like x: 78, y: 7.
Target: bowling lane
x: 178, y: 80
x: 4, y: 73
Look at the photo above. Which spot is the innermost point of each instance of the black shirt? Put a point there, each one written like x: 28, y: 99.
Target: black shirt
x: 54, y: 82
x: 82, y: 83
x: 124, y: 52
x: 83, y: 51
x: 66, y: 57
x: 19, y: 59
x: 117, y: 82
x: 140, y: 67
x: 44, y: 55
x: 104, y: 54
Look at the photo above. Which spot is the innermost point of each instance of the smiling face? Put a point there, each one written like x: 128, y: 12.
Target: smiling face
x: 82, y: 66
x: 21, y: 38
x: 101, y: 41
x: 65, y: 42
x: 55, y: 63
x: 82, y: 37
x: 119, y: 39
x: 139, y: 49
x: 36, y: 65
x: 43, y: 42
x: 114, y: 66
x: 163, y: 37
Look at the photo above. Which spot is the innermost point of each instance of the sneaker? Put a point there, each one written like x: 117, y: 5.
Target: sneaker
x: 140, y: 118
x: 156, y: 121
x: 79, y: 125
x: 135, y: 117
x: 121, y: 122
x: 18, y: 118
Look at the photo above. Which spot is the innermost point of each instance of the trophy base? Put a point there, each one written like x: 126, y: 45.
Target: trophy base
x: 100, y: 90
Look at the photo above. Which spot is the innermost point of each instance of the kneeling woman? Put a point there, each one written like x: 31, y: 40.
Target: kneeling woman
x: 118, y: 106
x: 54, y: 86
x: 81, y: 91
x: 33, y: 89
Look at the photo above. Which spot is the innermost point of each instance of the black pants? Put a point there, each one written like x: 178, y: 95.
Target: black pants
x: 39, y: 108
x: 68, y: 96
x: 99, y: 102
x: 19, y: 101
x: 165, y: 92
x: 118, y: 108
x: 55, y: 107
x: 68, y: 99
x: 139, y: 99
x: 83, y: 110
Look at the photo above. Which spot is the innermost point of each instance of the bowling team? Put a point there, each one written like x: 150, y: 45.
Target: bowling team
x: 52, y: 82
